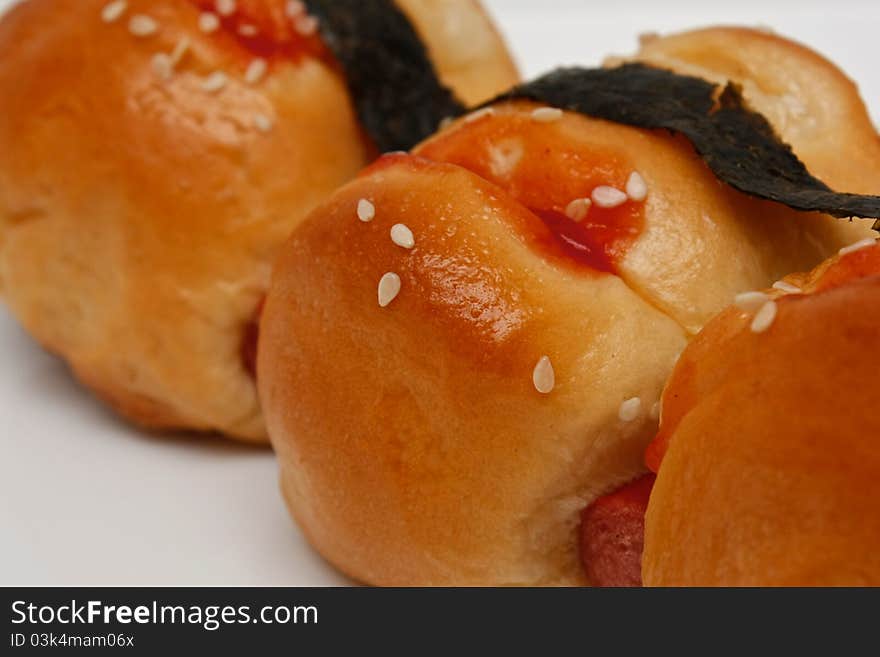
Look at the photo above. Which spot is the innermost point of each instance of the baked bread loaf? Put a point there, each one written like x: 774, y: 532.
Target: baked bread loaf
x: 770, y: 470
x: 153, y: 156
x: 465, y: 346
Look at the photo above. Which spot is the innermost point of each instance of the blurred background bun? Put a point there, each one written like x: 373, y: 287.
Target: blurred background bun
x: 810, y: 102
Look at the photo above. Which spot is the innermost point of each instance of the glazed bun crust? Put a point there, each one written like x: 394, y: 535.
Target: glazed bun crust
x: 771, y: 472
x: 139, y: 216
x: 773, y: 73
x: 414, y: 447
x: 699, y: 243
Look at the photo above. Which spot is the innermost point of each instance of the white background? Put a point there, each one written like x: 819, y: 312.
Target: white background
x: 85, y: 499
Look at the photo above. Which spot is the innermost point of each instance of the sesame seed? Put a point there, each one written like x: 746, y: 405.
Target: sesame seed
x: 263, y: 123
x: 162, y: 66
x: 248, y: 30
x: 858, y: 246
x: 295, y: 8
x: 215, y: 82
x: 629, y: 410
x: 402, y: 236
x: 225, y: 7
x: 543, y: 376
x: 366, y: 211
x: 608, y: 197
x: 113, y: 11
x: 389, y: 288
x: 209, y: 22
x: 788, y: 288
x: 505, y: 156
x: 180, y: 50
x: 657, y: 410
x: 479, y: 114
x: 142, y: 25
x: 636, y: 187
x: 306, y: 25
x: 764, y: 317
x: 546, y: 114
x: 445, y: 122
x: 577, y: 210
x: 255, y: 71
x: 750, y: 301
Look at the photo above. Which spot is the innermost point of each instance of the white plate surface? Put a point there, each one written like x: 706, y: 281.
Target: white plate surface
x: 86, y: 499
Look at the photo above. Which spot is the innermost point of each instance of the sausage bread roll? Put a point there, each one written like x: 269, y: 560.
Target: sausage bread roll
x: 768, y: 455
x: 154, y: 155
x: 466, y: 345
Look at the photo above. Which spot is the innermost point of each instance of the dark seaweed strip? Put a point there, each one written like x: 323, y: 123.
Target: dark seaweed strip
x: 738, y: 144
x: 394, y: 87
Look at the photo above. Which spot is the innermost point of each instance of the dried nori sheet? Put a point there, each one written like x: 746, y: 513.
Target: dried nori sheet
x: 738, y: 144
x: 394, y: 87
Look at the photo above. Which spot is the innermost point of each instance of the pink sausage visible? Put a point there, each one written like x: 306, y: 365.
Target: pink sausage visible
x: 250, y: 337
x: 613, y: 535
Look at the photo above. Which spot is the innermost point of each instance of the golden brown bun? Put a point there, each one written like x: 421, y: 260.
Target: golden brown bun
x: 828, y: 126
x: 772, y: 473
x: 464, y: 45
x: 414, y: 447
x: 139, y: 217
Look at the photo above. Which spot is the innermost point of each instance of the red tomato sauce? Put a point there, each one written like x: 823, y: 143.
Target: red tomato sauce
x: 276, y: 36
x: 542, y: 169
